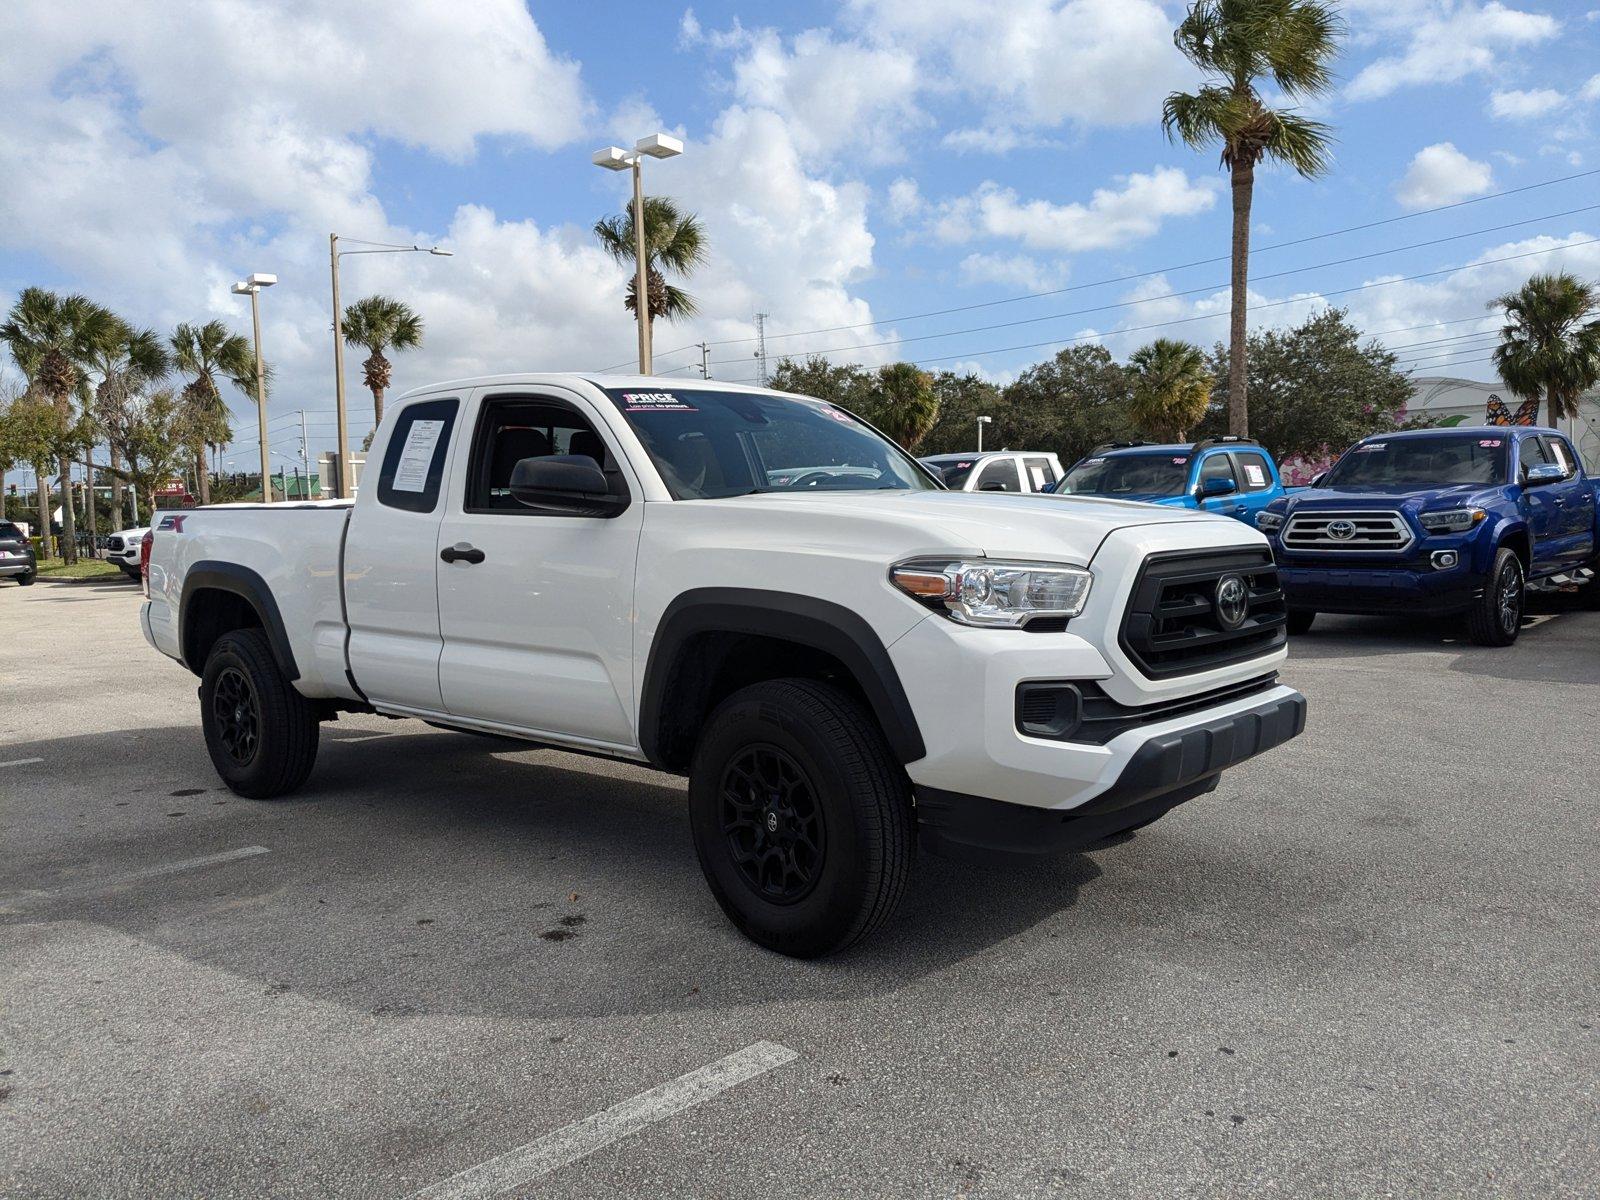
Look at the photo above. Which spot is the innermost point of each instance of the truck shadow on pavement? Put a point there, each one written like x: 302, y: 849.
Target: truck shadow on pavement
x: 436, y: 872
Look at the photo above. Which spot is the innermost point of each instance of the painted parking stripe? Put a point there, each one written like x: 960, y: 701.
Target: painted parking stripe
x: 83, y: 886
x: 20, y: 762
x: 518, y: 1167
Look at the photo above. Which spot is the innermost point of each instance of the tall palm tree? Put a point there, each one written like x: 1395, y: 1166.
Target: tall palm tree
x: 209, y: 353
x: 54, y: 339
x: 379, y: 323
x: 904, y: 405
x: 1550, y: 344
x: 1239, y: 44
x: 1171, y: 388
x: 674, y: 241
x: 129, y: 361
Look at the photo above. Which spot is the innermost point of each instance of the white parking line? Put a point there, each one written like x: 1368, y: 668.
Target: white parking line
x: 518, y: 1167
x: 20, y: 762
x: 94, y: 885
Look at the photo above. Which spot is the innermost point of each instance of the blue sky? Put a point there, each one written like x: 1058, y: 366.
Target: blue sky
x: 856, y: 164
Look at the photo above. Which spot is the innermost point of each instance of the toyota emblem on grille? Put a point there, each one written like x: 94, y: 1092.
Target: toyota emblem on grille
x: 1232, y: 601
x: 1341, y: 530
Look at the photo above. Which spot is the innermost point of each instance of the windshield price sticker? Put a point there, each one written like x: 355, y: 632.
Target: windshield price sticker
x: 1088, y: 462
x: 416, y: 456
x: 1371, y: 446
x: 656, y: 402
x: 1178, y: 462
x: 1489, y: 443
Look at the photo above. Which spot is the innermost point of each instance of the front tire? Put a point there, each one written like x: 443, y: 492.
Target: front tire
x: 1300, y: 621
x: 801, y: 817
x: 260, y: 732
x: 1495, y: 618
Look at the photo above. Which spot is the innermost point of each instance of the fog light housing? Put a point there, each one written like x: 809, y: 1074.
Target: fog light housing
x: 1443, y: 560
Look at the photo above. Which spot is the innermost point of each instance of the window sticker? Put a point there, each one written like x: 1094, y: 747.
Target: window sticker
x: 1254, y: 474
x: 1088, y: 462
x: 655, y: 402
x: 961, y: 466
x: 1490, y: 443
x: 1371, y: 446
x: 411, y: 472
x: 1178, y: 462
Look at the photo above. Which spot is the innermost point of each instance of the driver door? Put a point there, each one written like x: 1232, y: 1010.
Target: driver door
x: 535, y: 608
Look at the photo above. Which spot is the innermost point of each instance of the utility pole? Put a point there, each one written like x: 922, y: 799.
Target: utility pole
x: 305, y: 451
x: 705, y: 361
x: 761, y: 348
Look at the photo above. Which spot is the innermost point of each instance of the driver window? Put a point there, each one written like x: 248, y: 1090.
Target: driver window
x: 1530, y: 453
x: 1000, y: 475
x: 1218, y: 466
x: 512, y: 430
x: 1561, y: 454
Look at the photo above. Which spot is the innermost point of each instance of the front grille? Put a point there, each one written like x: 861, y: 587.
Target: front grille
x: 114, y: 545
x: 1365, y: 531
x: 1080, y: 711
x: 1172, y: 626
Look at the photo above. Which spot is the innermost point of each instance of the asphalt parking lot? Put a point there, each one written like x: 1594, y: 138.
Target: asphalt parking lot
x: 1366, y: 965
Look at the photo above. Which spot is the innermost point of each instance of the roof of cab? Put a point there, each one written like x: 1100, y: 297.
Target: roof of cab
x: 597, y: 378
x: 1469, y: 430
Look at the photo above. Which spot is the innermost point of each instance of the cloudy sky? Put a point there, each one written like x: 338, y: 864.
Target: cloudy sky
x: 886, y: 178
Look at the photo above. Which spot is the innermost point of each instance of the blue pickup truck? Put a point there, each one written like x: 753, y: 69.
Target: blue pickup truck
x: 1229, y: 475
x: 1440, y: 522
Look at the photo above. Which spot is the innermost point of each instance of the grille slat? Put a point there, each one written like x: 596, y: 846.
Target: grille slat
x: 1368, y: 532
x: 1172, y: 626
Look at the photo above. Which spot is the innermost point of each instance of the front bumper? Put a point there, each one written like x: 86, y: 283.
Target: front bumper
x: 1164, y: 770
x: 1378, y: 591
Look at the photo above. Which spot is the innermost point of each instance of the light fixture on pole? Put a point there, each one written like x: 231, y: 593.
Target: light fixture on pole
x: 252, y: 287
x: 341, y: 483
x: 615, y: 158
x: 982, y: 421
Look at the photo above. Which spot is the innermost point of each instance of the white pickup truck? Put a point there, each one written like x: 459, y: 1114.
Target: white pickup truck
x: 752, y: 589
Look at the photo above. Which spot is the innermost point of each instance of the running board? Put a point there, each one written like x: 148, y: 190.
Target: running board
x: 1563, y: 582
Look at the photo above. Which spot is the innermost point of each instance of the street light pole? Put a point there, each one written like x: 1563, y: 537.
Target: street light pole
x: 342, y: 477
x: 615, y: 158
x: 252, y: 287
x: 982, y: 421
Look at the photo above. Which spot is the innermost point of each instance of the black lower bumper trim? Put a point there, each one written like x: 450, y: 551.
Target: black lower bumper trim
x: 1163, y: 773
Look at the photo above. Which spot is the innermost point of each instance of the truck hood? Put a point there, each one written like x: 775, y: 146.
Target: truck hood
x: 1411, y: 500
x: 1051, y: 528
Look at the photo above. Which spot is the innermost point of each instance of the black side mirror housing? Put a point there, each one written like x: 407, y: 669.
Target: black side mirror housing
x: 568, y: 484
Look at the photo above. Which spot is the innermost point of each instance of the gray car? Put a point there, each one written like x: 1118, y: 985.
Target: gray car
x: 16, y: 556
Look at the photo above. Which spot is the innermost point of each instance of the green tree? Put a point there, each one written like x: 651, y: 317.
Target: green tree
x: 30, y: 433
x: 1239, y: 44
x: 154, y: 435
x: 129, y: 361
x: 962, y: 400
x: 1068, y: 404
x: 1317, y: 387
x: 1550, y: 344
x: 379, y: 323
x: 206, y: 354
x: 674, y: 241
x: 903, y: 403
x: 54, y: 340
x: 847, y: 384
x: 1171, y: 388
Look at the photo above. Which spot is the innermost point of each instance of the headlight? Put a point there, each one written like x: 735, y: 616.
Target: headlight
x: 1268, y: 522
x: 1002, y: 594
x: 1451, y: 520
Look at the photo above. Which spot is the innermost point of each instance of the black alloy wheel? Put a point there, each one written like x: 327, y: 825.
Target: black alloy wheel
x: 774, y: 825
x: 237, y: 713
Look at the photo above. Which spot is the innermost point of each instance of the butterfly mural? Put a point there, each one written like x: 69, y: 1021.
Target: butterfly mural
x: 1527, y: 412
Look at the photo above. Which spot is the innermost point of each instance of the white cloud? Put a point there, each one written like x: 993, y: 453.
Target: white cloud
x: 905, y: 200
x: 1448, y: 41
x: 1524, y: 105
x: 1591, y: 90
x: 1113, y: 217
x: 1015, y: 271
x: 1441, y: 174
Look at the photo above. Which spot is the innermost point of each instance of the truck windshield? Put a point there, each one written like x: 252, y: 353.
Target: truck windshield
x: 1127, y: 475
x: 1422, y: 462
x: 711, y: 444
x: 953, y: 470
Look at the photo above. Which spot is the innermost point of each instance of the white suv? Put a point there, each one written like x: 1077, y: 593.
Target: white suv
x: 752, y: 589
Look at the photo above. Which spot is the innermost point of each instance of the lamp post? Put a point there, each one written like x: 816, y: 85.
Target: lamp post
x: 615, y: 158
x: 342, y: 476
x: 252, y: 287
x: 982, y: 421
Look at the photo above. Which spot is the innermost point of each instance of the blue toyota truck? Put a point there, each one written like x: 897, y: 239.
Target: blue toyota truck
x: 1229, y: 475
x: 1439, y: 522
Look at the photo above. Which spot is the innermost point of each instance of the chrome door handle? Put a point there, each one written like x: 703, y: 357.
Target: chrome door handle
x: 462, y: 552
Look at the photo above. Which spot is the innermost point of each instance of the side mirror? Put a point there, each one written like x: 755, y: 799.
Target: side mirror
x: 1542, y: 473
x: 572, y: 484
x: 1316, y: 480
x: 992, y: 487
x: 1218, y: 487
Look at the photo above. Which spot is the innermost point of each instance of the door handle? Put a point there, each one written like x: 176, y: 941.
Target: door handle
x: 462, y: 552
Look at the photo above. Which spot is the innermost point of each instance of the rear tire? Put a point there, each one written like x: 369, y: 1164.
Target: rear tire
x: 801, y: 817
x: 26, y: 580
x: 1300, y: 621
x: 261, y: 733
x: 1495, y: 618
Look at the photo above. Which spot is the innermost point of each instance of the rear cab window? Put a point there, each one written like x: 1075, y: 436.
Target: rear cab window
x: 412, y: 474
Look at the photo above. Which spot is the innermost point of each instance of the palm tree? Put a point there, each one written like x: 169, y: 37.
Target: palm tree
x: 1550, y: 344
x: 1240, y: 43
x: 208, y: 353
x: 129, y: 361
x: 1171, y: 388
x: 54, y: 339
x: 674, y: 241
x: 378, y: 323
x: 904, y: 405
